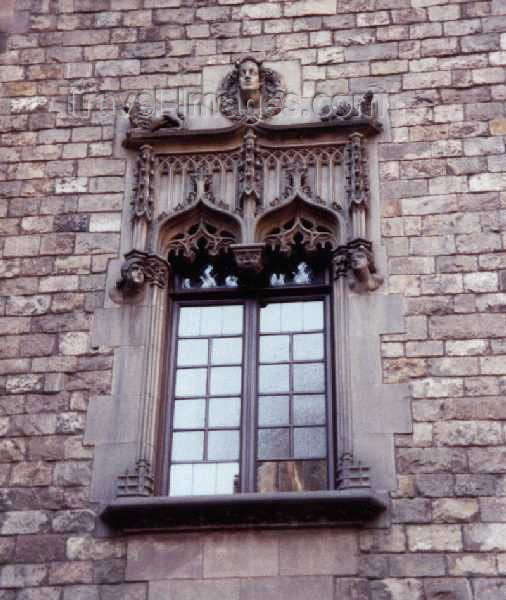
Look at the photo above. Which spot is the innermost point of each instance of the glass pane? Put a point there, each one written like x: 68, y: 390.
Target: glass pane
x: 308, y: 346
x: 273, y: 410
x: 291, y: 316
x: 313, y: 315
x: 232, y: 319
x: 189, y: 414
x: 181, y: 480
x: 274, y: 348
x: 270, y: 318
x: 225, y: 475
x: 188, y: 445
x: 309, y: 410
x: 223, y: 445
x: 189, y: 321
x: 210, y: 320
x: 192, y: 352
x: 273, y: 443
x: 225, y: 381
x: 292, y: 476
x: 226, y: 351
x: 224, y: 412
x: 273, y: 378
x: 204, y: 479
x: 308, y: 378
x: 191, y: 382
x: 309, y: 442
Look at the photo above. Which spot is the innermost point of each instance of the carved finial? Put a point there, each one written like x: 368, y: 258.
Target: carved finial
x: 142, y: 201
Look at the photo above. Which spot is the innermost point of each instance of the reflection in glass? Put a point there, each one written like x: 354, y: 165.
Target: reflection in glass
x: 192, y: 352
x: 211, y: 320
x: 303, y: 274
x: 188, y: 445
x: 308, y: 377
x: 273, y: 378
x: 309, y: 410
x: 309, y: 442
x: 206, y: 478
x: 191, y: 382
x: 308, y: 346
x: 226, y: 351
x: 224, y: 412
x: 270, y: 318
x: 225, y: 381
x: 189, y: 321
x: 189, y: 414
x: 291, y: 476
x: 291, y: 316
x: 277, y: 279
x: 273, y: 410
x: 273, y: 443
x: 207, y: 279
x: 313, y: 315
x: 232, y: 320
x: 274, y: 348
x: 223, y: 445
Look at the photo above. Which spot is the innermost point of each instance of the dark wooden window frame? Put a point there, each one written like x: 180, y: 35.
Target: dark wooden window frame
x: 251, y: 299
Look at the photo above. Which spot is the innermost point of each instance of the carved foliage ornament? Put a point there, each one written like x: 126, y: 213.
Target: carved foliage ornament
x: 251, y: 92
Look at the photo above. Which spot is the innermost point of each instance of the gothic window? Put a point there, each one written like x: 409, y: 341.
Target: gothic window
x: 248, y: 312
x: 250, y: 390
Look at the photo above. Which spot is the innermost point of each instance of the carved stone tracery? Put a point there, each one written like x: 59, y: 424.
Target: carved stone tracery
x: 203, y: 235
x: 304, y: 231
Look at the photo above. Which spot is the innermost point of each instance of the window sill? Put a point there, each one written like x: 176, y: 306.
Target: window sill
x: 345, y: 507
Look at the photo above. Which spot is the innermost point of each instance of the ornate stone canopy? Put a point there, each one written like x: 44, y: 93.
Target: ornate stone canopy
x: 254, y: 186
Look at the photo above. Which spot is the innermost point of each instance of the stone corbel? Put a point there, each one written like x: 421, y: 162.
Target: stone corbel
x: 248, y: 257
x: 355, y: 260
x: 140, y: 268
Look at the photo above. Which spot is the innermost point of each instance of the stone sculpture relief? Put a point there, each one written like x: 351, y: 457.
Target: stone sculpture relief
x: 251, y: 92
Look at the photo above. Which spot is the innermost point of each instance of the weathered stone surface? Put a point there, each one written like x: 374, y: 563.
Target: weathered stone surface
x: 332, y: 553
x: 177, y: 556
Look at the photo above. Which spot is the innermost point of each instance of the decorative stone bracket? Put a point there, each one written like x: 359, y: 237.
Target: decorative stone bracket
x: 140, y: 268
x: 356, y: 261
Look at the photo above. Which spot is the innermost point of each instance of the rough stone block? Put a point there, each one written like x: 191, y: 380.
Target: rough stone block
x: 252, y: 554
x: 318, y: 552
x: 177, y: 556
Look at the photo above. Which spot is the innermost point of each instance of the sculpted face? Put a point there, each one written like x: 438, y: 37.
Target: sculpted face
x: 359, y: 260
x: 249, y: 76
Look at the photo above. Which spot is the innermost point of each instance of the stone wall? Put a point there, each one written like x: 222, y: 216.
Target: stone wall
x: 440, y: 67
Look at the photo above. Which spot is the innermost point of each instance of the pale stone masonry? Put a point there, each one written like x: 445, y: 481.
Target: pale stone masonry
x: 439, y: 69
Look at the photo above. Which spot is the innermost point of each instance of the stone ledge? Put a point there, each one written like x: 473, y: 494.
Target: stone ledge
x: 345, y: 507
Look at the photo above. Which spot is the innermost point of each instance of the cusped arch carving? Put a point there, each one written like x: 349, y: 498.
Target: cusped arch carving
x: 311, y: 225
x: 200, y: 227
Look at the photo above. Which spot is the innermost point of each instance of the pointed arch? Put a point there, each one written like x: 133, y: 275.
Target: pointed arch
x: 300, y: 221
x: 199, y: 227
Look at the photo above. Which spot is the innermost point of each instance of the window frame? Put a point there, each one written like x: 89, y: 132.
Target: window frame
x: 251, y: 298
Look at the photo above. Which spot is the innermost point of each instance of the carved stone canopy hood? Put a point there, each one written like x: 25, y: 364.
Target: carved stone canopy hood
x: 255, y: 185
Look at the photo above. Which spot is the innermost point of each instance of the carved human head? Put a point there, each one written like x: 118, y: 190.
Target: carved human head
x: 249, y: 76
x: 359, y: 259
